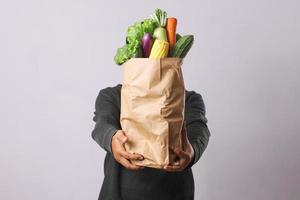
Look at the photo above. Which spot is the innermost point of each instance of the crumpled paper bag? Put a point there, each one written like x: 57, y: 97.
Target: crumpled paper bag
x: 152, y: 108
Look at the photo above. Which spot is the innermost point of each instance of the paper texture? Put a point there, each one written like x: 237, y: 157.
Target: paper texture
x: 152, y: 108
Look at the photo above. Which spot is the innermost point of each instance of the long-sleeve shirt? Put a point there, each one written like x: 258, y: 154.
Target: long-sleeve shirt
x: 149, y: 183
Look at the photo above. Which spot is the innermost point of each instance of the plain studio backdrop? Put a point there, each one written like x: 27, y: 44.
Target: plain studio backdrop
x: 56, y: 55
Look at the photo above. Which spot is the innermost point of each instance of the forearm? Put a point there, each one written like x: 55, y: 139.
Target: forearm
x: 103, y: 134
x: 200, y: 142
x: 196, y: 126
x: 106, y: 118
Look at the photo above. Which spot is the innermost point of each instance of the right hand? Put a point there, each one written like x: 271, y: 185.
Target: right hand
x: 121, y: 155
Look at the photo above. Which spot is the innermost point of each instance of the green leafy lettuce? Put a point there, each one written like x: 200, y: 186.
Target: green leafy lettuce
x: 126, y: 52
x: 135, y: 33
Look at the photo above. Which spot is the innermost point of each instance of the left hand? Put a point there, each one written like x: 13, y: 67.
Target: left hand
x: 185, y: 156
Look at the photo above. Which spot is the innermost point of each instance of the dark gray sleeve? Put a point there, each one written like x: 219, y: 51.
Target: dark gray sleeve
x: 107, y: 115
x: 196, y: 125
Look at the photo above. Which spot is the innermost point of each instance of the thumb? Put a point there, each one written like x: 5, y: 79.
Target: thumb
x: 122, y: 137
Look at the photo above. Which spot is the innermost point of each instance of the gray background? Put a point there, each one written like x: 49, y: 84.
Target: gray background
x: 56, y: 55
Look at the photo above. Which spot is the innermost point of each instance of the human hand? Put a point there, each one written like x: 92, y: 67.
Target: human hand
x: 121, y: 155
x: 185, y: 156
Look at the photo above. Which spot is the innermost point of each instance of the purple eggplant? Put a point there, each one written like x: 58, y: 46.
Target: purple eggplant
x: 147, y: 42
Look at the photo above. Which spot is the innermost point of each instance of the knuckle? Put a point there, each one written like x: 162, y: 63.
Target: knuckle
x: 118, y: 158
x: 126, y: 156
x: 129, y: 157
x: 127, y: 166
x: 138, y: 156
x: 135, y: 168
x: 134, y: 157
x: 130, y: 166
x: 138, y: 167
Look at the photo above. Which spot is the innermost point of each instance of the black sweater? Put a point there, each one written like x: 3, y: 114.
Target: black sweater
x: 146, y: 184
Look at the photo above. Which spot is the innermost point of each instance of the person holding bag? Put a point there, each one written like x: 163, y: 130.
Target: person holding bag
x: 152, y: 128
x: 124, y: 180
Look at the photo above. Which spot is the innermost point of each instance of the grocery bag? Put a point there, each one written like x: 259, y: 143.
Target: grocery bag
x: 152, y: 109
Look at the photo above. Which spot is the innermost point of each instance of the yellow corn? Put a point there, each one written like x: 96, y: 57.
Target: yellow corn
x: 159, y: 49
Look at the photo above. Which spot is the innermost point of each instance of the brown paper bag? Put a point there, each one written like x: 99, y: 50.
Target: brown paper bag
x: 152, y: 108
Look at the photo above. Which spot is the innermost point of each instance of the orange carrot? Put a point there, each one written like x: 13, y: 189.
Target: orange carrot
x: 171, y: 30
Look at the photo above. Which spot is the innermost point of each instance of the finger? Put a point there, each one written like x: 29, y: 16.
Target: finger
x: 172, y: 168
x: 128, y: 164
x: 122, y: 137
x: 181, y: 154
x: 131, y: 156
x: 177, y: 166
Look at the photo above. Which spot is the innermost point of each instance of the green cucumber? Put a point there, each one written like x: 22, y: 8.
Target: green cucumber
x: 178, y: 36
x: 182, y: 46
